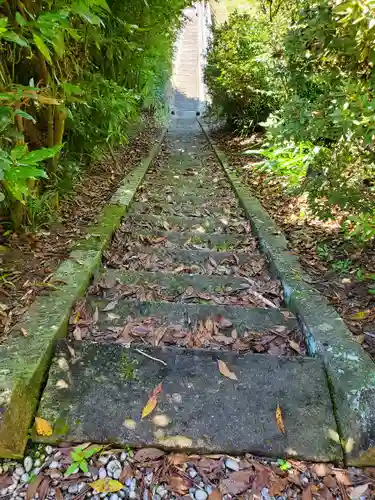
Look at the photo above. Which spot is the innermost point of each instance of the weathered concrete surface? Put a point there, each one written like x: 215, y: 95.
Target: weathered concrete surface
x: 98, y: 395
x: 206, y: 224
x: 24, y: 360
x: 350, y: 370
x: 188, y: 315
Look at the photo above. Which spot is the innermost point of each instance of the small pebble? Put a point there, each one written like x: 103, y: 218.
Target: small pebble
x: 25, y: 477
x: 114, y: 497
x: 265, y: 494
x: 15, y: 477
x: 132, y: 495
x: 28, y: 464
x: 123, y: 456
x: 48, y: 449
x: 54, y: 465
x: 57, y: 455
x: 5, y: 468
x: 19, y: 471
x: 102, y: 473
x: 133, y: 484
x: 200, y: 495
x: 192, y: 473
x: 3, y: 492
x: 37, y: 463
x: 156, y: 497
x: 145, y: 495
x: 95, y: 497
x: 209, y: 489
x: 35, y: 471
x: 161, y: 491
x: 232, y: 464
x: 12, y: 487
x: 122, y: 493
x: 73, y: 488
x: 104, y: 459
x: 55, y: 474
x: 148, y: 478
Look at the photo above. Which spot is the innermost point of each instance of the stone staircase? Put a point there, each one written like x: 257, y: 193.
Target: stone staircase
x: 182, y: 287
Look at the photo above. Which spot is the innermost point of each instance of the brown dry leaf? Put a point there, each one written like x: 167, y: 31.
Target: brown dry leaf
x: 5, y: 481
x: 177, y: 459
x: 178, y: 484
x: 237, y: 482
x: 159, y: 334
x: 126, y: 473
x: 279, y: 419
x: 307, y: 493
x: 321, y: 470
x: 148, y: 454
x: 77, y: 334
x: 224, y: 323
x: 358, y: 491
x: 33, y: 486
x: 24, y: 332
x: 295, y: 346
x: 278, y: 485
x: 330, y: 482
x: 58, y: 494
x: 43, y: 488
x: 342, y: 477
x: 215, y: 495
x: 224, y: 370
x: 326, y: 494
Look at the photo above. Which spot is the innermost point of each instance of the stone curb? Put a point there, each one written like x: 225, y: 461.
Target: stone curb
x: 25, y: 357
x: 350, y: 370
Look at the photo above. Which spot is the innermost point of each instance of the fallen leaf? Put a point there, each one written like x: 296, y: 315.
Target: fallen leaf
x: 360, y: 315
x: 77, y: 334
x: 33, y: 486
x: 237, y: 482
x: 321, y: 470
x: 279, y: 419
x: 110, y: 306
x: 106, y: 485
x: 307, y: 493
x: 126, y: 473
x: 358, y: 491
x: 24, y: 332
x: 152, y: 402
x: 278, y: 485
x: 215, y: 495
x: 148, y: 454
x: 179, y: 485
x: 42, y: 427
x: 295, y: 346
x: 43, y: 489
x: 224, y: 323
x: 58, y: 494
x: 95, y: 316
x: 224, y: 370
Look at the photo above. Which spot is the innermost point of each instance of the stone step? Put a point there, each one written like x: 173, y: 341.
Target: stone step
x: 192, y: 288
x: 189, y: 315
x: 186, y: 209
x: 200, y: 225
x: 181, y: 260
x: 96, y: 393
x: 212, y: 241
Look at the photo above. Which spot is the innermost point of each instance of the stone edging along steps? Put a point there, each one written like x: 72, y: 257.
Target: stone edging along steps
x: 24, y: 360
x: 350, y: 370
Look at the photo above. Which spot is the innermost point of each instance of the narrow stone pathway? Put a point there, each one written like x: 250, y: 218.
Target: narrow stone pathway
x: 185, y: 309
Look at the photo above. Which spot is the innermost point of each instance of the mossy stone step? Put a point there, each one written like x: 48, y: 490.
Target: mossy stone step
x: 180, y: 287
x: 172, y: 222
x: 212, y: 241
x: 188, y: 315
x: 100, y: 399
x: 184, y: 209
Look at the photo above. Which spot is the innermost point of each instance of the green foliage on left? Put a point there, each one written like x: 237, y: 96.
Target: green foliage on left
x: 73, y: 75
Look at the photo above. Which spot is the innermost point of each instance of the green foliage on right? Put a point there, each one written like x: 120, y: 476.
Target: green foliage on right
x: 316, y: 62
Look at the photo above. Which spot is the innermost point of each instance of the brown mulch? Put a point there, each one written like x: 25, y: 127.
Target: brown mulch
x: 29, y: 259
x: 307, y: 236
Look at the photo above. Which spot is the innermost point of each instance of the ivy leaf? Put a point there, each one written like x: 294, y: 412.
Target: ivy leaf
x: 71, y: 469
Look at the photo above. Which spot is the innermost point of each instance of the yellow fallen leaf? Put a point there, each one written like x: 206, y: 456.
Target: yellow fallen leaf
x: 42, y: 427
x: 279, y: 419
x: 152, y: 402
x: 224, y: 370
x: 360, y: 315
x: 106, y: 485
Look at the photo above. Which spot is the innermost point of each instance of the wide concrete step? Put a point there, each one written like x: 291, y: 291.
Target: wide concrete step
x: 192, y: 288
x: 276, y: 407
x: 242, y: 319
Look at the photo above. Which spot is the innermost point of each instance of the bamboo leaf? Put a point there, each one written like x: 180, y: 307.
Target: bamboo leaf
x: 42, y: 47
